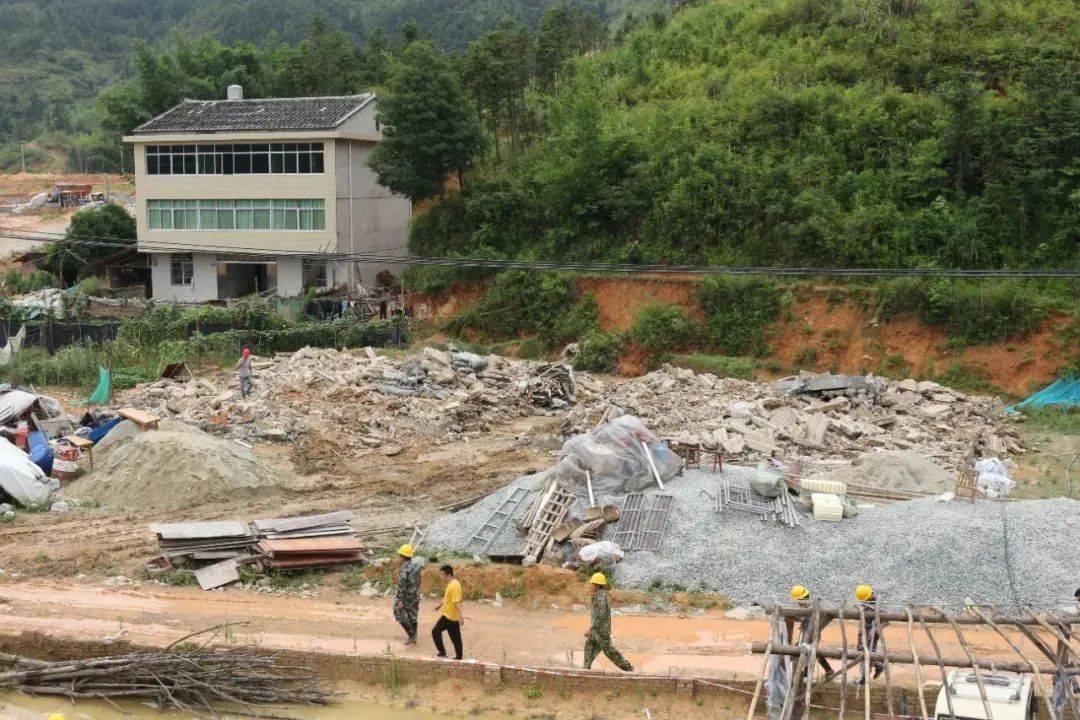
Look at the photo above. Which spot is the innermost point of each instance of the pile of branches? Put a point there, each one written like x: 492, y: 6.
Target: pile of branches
x: 196, y: 681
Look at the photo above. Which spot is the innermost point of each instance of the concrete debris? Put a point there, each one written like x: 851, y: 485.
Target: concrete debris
x: 750, y: 421
x: 431, y: 396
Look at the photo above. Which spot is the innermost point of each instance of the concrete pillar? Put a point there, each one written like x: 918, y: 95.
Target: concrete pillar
x: 290, y: 276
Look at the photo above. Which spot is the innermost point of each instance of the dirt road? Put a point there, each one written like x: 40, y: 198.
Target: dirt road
x: 707, y: 645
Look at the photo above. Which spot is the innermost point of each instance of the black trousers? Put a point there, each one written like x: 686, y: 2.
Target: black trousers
x: 453, y: 629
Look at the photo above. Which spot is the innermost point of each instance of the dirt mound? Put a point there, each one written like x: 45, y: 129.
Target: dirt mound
x: 174, y: 467
x: 896, y: 470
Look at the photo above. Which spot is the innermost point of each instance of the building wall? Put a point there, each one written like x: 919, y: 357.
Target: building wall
x: 228, y: 187
x: 204, y: 284
x: 371, y: 219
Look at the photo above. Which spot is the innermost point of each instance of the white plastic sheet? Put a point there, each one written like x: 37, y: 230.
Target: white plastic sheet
x: 22, y: 479
x: 604, y: 552
x: 993, y: 478
x: 616, y: 459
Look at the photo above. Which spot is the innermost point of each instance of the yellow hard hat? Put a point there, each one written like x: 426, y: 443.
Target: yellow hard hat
x: 864, y: 593
x: 406, y: 550
x: 799, y: 592
x: 598, y: 579
x: 56, y: 716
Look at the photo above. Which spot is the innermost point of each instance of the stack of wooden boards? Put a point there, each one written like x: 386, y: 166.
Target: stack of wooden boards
x: 308, y: 542
x: 312, y: 541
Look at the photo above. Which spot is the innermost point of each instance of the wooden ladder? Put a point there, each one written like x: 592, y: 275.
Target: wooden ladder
x: 550, y: 516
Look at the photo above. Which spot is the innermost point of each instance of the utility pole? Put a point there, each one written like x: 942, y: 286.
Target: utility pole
x: 22, y: 151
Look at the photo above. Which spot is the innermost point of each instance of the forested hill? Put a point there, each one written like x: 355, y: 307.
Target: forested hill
x: 812, y: 132
x: 56, y: 55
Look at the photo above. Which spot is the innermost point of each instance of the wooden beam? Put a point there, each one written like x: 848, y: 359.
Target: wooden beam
x: 918, y: 667
x: 906, y: 658
x: 974, y: 664
x: 931, y: 615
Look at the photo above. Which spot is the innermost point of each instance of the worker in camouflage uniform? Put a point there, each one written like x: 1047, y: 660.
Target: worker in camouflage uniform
x: 599, y: 635
x: 407, y: 601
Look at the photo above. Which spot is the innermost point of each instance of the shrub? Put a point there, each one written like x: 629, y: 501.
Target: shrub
x: 661, y: 328
x: 737, y: 311
x: 91, y: 286
x: 970, y: 312
x: 599, y: 352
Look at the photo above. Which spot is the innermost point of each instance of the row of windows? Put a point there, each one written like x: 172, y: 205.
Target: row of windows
x: 236, y: 214
x: 238, y: 159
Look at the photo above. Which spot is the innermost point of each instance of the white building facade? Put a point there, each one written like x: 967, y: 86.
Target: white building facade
x: 238, y: 196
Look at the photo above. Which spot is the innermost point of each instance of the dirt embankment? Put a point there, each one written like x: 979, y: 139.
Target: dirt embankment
x: 826, y: 328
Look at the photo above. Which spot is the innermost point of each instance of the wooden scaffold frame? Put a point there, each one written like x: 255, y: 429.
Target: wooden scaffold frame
x: 1050, y: 633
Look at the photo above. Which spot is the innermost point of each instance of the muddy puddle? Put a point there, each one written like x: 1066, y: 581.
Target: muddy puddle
x: 20, y: 707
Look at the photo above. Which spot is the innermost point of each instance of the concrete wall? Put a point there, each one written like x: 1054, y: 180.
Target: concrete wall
x: 370, y: 217
x: 290, y: 277
x: 204, y: 284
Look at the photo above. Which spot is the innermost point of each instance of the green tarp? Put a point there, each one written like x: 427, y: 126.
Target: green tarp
x: 100, y: 395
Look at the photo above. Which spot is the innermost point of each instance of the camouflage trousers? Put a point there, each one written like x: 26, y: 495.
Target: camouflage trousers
x: 406, y: 612
x: 594, y: 647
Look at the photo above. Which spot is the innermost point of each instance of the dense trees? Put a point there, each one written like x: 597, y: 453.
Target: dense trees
x: 809, y: 132
x: 69, y: 261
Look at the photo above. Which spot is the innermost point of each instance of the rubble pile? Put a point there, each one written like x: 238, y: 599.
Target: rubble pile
x: 434, y: 395
x: 752, y: 420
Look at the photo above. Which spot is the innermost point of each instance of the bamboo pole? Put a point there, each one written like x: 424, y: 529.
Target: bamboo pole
x: 884, y: 651
x: 940, y: 662
x: 815, y: 636
x: 844, y: 662
x: 918, y: 666
x: 975, y: 666
x: 774, y: 634
x: 935, y: 616
x: 866, y: 662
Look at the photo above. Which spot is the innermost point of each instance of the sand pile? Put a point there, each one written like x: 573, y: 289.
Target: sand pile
x: 174, y: 467
x: 895, y: 470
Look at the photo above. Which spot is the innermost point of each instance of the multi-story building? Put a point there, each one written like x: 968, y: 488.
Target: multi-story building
x: 230, y: 193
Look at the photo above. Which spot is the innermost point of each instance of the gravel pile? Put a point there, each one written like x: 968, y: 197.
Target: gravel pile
x: 922, y: 550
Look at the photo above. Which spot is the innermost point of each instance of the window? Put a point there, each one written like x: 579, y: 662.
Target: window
x: 307, y: 215
x: 182, y: 268
x: 239, y: 159
x: 314, y: 274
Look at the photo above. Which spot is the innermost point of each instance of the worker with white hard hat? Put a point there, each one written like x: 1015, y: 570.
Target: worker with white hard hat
x: 598, y: 639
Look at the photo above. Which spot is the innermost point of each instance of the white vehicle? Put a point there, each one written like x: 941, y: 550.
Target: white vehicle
x: 1010, y: 696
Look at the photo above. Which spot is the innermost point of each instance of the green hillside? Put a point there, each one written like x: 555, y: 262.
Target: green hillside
x: 804, y: 132
x: 56, y: 55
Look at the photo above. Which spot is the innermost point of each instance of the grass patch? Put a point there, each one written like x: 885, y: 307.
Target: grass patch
x: 737, y: 311
x: 1064, y: 421
x: 352, y: 578
x: 662, y: 328
x: 963, y: 378
x: 292, y: 579
x: 599, y: 352
x: 177, y: 578
x: 721, y: 365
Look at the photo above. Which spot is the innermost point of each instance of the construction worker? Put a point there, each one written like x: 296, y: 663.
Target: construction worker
x: 243, y: 371
x: 801, y: 595
x: 450, y: 618
x: 870, y: 633
x: 599, y: 635
x: 407, y: 600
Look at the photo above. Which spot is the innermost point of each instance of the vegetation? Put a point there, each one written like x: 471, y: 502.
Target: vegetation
x: 429, y: 129
x: 599, y: 352
x: 737, y: 311
x: 720, y: 365
x: 71, y: 262
x: 797, y: 132
x: 516, y: 303
x: 660, y: 328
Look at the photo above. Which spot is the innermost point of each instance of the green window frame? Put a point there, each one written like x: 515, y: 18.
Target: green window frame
x: 282, y: 214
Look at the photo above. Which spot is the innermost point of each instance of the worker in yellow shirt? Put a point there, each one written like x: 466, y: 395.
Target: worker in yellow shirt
x: 450, y: 618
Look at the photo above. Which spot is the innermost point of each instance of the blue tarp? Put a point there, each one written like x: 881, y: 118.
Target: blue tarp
x: 1063, y: 393
x: 40, y: 451
x: 103, y: 429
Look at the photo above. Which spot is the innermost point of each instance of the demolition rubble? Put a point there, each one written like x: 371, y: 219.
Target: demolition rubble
x: 438, y: 396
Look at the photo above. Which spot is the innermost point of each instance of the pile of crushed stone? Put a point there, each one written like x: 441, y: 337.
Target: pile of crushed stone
x: 171, y: 468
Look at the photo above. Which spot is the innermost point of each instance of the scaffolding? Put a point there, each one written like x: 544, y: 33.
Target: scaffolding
x: 1041, y: 646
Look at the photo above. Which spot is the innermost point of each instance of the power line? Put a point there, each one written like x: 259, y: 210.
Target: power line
x: 381, y: 257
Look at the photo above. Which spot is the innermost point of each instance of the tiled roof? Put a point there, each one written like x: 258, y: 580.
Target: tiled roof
x: 203, y: 116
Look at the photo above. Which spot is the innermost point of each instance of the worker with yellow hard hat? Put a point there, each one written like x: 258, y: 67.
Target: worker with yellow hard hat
x: 598, y: 639
x: 407, y: 600
x: 870, y: 632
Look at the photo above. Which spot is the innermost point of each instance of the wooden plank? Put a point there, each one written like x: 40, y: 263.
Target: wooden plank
x: 79, y: 442
x: 200, y: 530
x: 311, y: 561
x: 305, y: 522
x: 326, y: 545
x: 143, y: 419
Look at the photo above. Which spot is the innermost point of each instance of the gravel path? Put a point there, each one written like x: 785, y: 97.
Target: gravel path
x: 921, y: 551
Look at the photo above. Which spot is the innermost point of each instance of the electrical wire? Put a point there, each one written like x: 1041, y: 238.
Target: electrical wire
x: 381, y: 257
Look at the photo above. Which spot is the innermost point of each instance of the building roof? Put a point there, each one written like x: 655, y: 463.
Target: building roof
x: 208, y: 116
